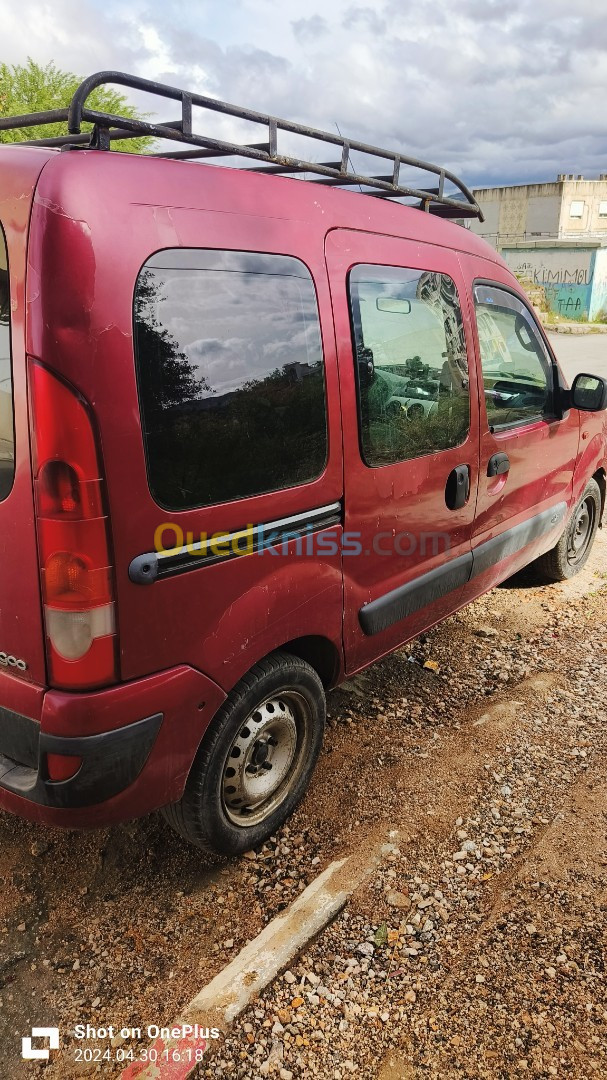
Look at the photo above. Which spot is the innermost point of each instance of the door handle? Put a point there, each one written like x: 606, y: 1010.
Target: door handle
x: 457, y: 489
x: 498, y: 464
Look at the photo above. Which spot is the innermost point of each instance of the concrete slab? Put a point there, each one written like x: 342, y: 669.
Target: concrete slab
x: 231, y: 991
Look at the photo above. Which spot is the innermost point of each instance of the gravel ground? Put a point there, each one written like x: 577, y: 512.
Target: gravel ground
x: 475, y: 951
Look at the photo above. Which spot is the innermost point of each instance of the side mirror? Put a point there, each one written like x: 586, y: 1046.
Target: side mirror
x: 589, y: 393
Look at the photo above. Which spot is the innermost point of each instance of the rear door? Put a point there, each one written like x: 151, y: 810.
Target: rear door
x: 410, y: 420
x: 21, y: 635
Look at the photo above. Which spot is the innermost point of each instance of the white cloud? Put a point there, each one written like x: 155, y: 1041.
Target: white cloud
x: 494, y: 91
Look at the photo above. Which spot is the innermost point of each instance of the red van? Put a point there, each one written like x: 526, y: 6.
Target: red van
x: 256, y: 431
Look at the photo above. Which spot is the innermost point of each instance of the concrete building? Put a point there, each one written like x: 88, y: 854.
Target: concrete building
x: 571, y: 208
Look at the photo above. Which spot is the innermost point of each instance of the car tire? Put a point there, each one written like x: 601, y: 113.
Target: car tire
x: 255, y: 760
x: 567, y: 558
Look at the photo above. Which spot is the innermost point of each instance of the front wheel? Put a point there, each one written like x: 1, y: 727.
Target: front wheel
x: 256, y: 759
x: 571, y: 553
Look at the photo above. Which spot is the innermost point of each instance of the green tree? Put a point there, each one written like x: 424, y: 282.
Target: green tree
x: 29, y: 88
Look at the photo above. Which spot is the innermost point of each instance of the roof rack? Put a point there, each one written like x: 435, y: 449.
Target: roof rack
x: 107, y: 128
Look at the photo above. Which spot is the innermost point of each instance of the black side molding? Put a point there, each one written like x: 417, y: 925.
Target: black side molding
x: 513, y: 540
x: 415, y: 595
x: 250, y: 540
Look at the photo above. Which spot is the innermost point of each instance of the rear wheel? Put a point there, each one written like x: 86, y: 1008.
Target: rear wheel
x: 256, y: 759
x: 571, y: 553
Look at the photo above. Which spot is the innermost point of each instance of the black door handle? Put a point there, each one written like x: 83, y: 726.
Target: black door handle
x: 498, y: 464
x: 458, y: 487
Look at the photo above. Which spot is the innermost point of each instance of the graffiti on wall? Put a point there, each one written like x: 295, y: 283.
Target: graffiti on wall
x: 560, y: 276
x: 565, y: 276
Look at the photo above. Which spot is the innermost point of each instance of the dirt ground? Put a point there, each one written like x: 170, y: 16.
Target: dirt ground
x: 477, y: 950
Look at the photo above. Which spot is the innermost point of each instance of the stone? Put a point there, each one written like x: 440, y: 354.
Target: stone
x: 39, y: 847
x: 276, y: 1051
x: 398, y: 900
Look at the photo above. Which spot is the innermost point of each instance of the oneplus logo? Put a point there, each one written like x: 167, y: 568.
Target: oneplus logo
x: 28, y: 1052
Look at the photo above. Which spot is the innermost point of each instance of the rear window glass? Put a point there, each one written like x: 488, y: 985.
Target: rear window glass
x: 231, y: 375
x: 7, y: 435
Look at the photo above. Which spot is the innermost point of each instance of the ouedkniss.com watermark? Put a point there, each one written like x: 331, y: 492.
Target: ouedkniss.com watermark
x: 146, y: 1044
x: 171, y: 539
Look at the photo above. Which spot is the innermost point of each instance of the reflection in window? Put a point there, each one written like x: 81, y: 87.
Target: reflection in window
x: 7, y: 438
x: 517, y: 372
x: 231, y: 375
x: 412, y: 365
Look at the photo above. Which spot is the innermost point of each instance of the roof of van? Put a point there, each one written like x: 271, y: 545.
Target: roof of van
x: 72, y: 179
x: 408, y: 177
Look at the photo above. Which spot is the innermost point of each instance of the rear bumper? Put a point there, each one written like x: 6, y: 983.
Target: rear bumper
x: 109, y: 763
x: 132, y: 746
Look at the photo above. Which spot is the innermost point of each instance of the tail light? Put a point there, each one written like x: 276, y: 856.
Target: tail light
x: 73, y: 536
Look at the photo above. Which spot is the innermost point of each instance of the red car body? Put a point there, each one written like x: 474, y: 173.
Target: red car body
x: 79, y: 227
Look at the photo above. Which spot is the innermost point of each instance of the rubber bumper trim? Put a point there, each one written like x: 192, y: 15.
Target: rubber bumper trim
x: 111, y: 761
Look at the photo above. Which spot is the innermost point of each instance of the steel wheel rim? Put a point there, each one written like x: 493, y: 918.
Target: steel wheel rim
x: 266, y: 758
x: 580, y: 531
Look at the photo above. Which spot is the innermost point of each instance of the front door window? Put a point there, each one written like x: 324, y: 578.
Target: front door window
x: 517, y: 371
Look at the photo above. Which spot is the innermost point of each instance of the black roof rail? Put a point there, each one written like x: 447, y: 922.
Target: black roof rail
x: 340, y: 173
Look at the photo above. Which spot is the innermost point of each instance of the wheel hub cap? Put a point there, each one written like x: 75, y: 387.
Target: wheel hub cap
x: 259, y: 761
x: 581, y: 531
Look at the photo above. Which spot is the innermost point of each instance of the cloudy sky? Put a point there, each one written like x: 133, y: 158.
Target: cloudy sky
x: 497, y: 90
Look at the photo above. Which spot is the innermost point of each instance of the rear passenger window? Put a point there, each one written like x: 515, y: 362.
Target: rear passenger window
x: 231, y: 375
x: 517, y: 371
x: 412, y: 366
x: 7, y: 434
